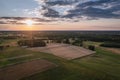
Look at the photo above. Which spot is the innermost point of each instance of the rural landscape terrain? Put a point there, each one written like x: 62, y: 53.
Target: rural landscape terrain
x: 60, y: 55
x: 59, y: 39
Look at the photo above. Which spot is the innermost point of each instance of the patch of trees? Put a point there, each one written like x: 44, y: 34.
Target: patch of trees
x: 111, y: 45
x: 88, y: 35
x: 66, y: 41
x: 8, y: 37
x: 32, y: 43
x: 91, y: 47
x: 2, y: 47
x: 78, y: 43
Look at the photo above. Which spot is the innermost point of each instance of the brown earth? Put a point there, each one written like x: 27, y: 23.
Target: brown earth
x: 18, y: 71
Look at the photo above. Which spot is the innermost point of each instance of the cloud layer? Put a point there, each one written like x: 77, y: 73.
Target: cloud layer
x: 69, y: 10
x: 21, y: 20
x: 80, y: 9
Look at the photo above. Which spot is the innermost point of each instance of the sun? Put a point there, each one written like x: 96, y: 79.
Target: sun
x: 29, y: 22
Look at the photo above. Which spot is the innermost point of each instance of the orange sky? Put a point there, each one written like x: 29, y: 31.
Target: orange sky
x: 106, y: 24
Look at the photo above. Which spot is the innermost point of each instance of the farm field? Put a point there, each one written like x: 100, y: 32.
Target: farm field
x: 18, y: 71
x: 65, y: 51
x: 114, y: 50
x: 102, y: 65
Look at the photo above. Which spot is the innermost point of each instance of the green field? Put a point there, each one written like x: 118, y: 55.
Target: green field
x: 103, y: 65
x: 86, y: 43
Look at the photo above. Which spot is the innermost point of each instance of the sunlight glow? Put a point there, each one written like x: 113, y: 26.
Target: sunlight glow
x: 29, y: 22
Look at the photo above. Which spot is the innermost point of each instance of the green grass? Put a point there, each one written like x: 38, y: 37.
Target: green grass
x: 16, y: 52
x: 103, y: 65
x: 4, y: 42
x: 86, y: 43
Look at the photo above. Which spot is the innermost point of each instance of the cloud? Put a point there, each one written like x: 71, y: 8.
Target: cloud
x: 48, y: 12
x: 20, y: 20
x: 56, y: 2
x: 81, y: 9
x: 88, y: 9
x: 68, y: 10
x: 60, y: 2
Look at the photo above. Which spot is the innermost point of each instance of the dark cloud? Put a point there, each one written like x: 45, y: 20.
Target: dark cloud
x: 2, y: 22
x: 48, y: 12
x: 98, y: 2
x: 80, y: 9
x: 60, y: 2
x: 93, y: 13
x: 88, y: 9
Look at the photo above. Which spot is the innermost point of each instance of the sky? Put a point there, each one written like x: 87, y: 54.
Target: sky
x: 60, y: 14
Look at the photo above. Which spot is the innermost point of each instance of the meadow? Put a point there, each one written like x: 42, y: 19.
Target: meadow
x: 102, y: 65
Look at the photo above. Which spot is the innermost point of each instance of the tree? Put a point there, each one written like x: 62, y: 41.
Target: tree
x: 67, y: 41
x: 91, y: 47
x: 1, y: 48
x: 32, y: 43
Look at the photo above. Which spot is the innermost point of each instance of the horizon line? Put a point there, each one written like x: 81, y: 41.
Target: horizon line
x: 59, y: 30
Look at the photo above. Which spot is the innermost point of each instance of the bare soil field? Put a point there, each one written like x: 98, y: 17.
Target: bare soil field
x: 65, y: 51
x: 114, y: 50
x: 18, y: 71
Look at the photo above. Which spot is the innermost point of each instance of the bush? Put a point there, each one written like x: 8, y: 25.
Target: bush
x: 67, y: 41
x: 112, y: 45
x: 78, y: 43
x: 1, y: 47
x: 91, y: 47
x: 7, y: 46
x: 81, y: 43
x: 32, y: 43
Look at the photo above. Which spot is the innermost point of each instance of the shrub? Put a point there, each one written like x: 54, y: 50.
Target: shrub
x: 1, y: 47
x: 32, y: 43
x: 67, y: 41
x: 78, y: 43
x: 91, y: 47
x: 7, y: 46
x: 81, y: 43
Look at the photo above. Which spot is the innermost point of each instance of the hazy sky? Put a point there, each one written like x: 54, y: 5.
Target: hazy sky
x: 60, y: 14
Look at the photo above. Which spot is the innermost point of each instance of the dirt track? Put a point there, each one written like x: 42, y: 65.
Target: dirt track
x: 19, y: 71
x: 64, y: 50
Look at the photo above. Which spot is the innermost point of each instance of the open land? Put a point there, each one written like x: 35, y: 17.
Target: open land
x: 102, y: 65
x: 15, y: 72
x: 65, y: 51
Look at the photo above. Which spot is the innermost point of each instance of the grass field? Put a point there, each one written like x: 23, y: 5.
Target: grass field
x: 86, y: 43
x: 103, y: 65
x: 6, y: 42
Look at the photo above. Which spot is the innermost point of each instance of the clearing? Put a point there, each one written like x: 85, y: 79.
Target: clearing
x: 65, y: 51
